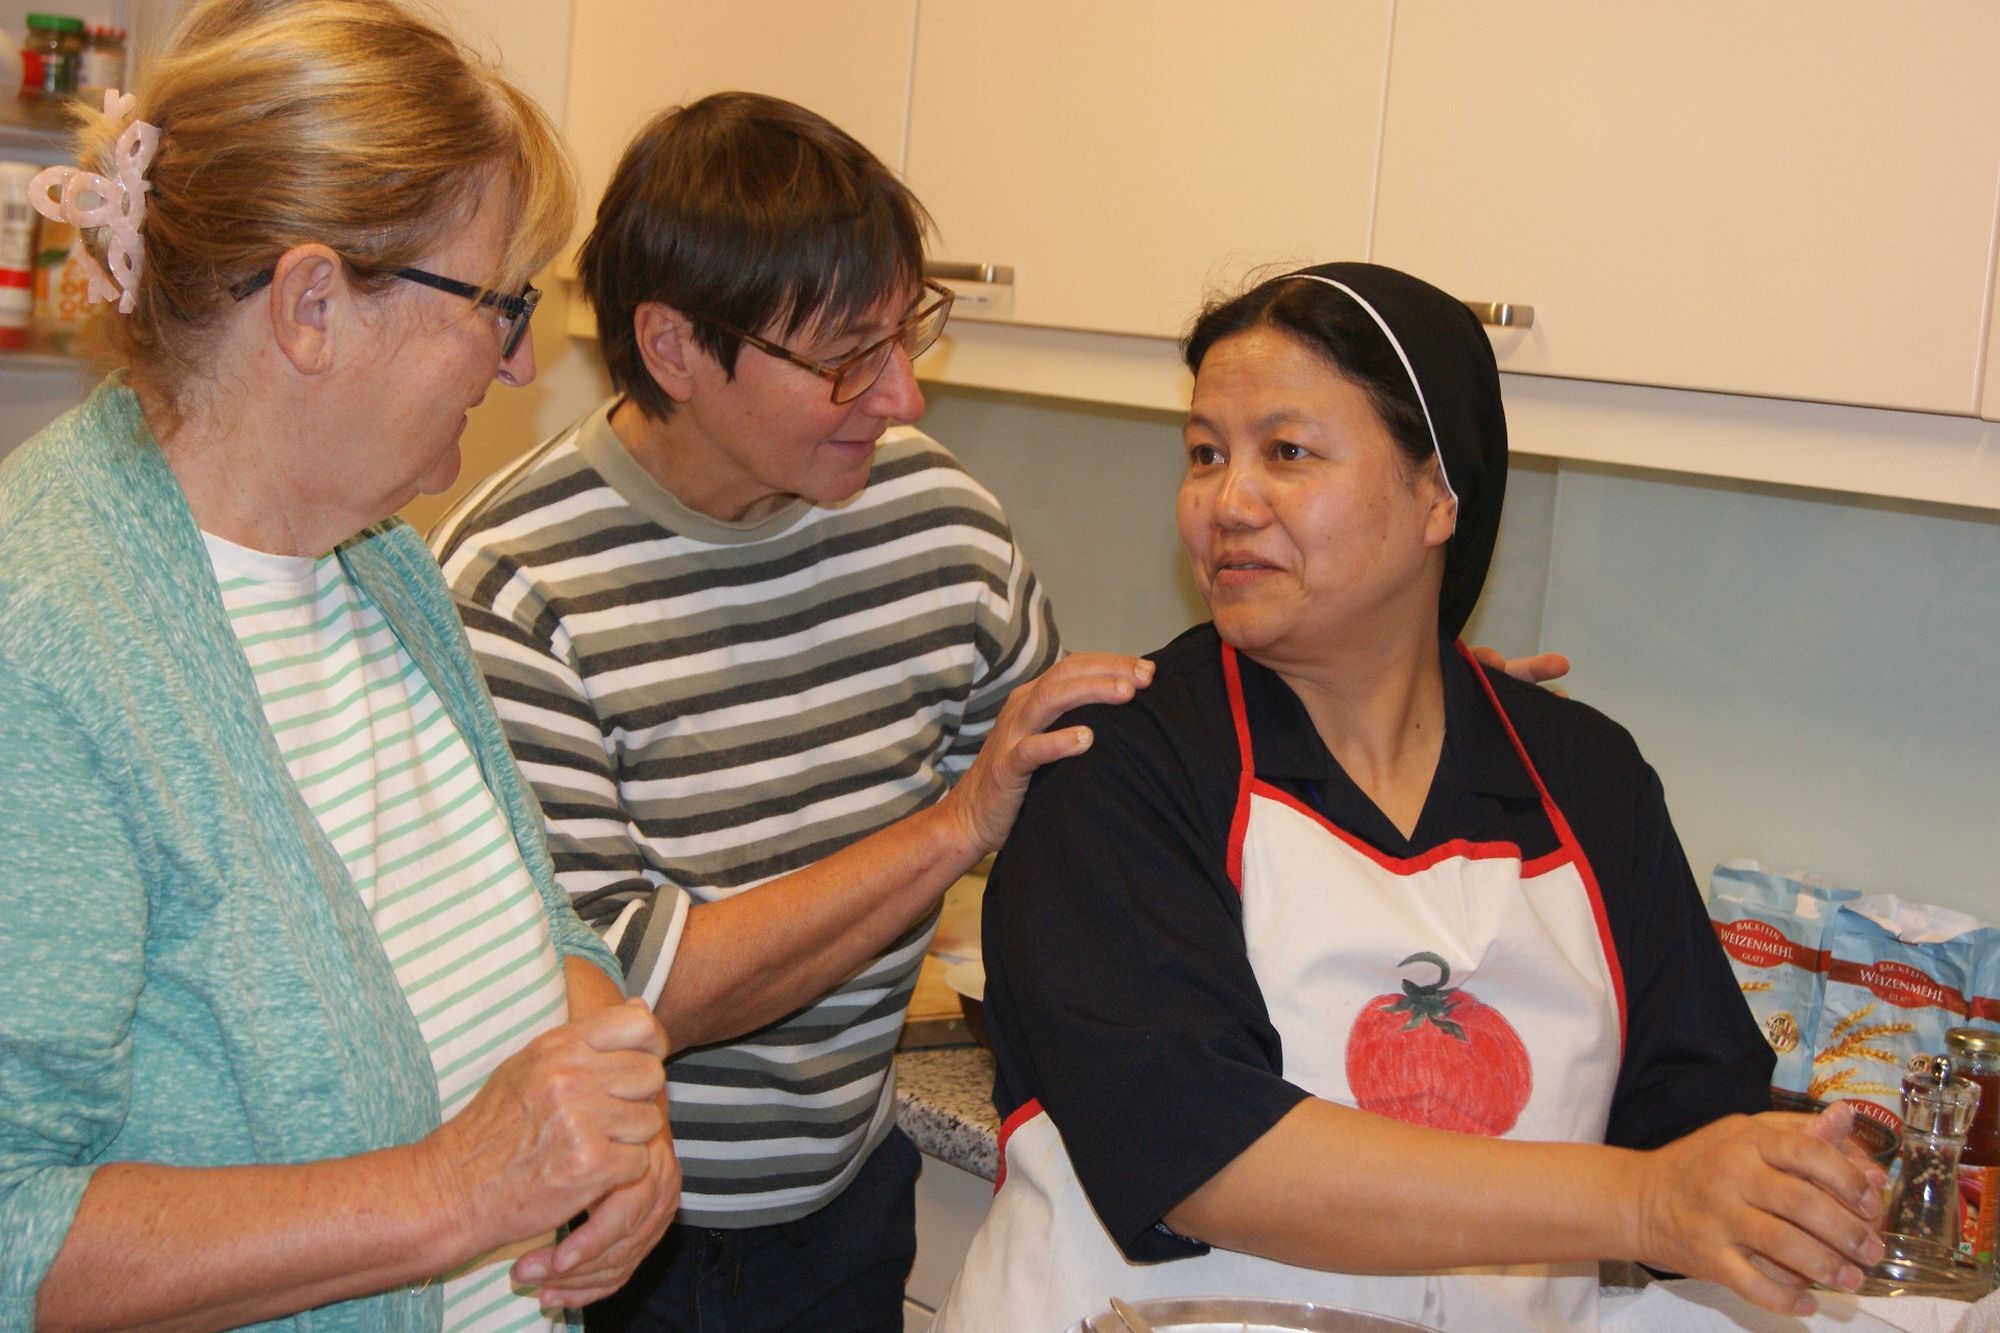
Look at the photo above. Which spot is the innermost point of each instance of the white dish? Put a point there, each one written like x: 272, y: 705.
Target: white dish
x: 968, y: 978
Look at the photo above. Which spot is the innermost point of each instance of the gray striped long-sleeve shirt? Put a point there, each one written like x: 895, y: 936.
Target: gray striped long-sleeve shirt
x: 703, y: 706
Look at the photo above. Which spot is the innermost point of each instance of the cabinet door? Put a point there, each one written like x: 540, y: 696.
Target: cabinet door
x: 629, y: 59
x: 1119, y: 155
x: 1793, y: 198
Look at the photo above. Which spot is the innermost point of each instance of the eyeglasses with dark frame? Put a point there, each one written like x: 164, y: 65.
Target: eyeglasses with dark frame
x: 855, y: 375
x: 516, y: 310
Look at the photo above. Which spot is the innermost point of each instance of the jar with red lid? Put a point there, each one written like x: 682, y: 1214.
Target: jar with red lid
x: 1975, y: 1054
x: 102, y: 65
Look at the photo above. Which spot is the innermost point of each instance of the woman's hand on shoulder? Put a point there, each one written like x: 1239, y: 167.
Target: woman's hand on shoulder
x: 1537, y: 669
x: 1765, y: 1205
x: 986, y: 800
x: 565, y: 1123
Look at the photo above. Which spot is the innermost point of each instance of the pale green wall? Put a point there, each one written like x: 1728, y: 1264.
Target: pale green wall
x: 1813, y: 676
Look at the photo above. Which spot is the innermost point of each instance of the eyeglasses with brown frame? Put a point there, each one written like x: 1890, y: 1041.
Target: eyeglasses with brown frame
x: 854, y: 375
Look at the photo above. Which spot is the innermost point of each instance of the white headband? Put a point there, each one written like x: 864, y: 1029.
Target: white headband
x: 1409, y: 370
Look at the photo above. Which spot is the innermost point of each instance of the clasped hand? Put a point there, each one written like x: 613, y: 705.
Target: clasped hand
x: 574, y: 1122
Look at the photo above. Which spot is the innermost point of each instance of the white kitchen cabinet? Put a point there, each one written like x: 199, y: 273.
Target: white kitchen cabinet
x: 951, y: 1203
x: 1119, y: 155
x: 1790, y: 199
x: 630, y: 59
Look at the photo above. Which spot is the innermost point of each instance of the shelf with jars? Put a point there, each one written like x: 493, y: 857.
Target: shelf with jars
x: 52, y: 61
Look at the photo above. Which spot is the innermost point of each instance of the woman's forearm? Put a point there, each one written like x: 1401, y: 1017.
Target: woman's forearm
x: 155, y: 1247
x: 749, y: 960
x: 1334, y: 1188
x: 1764, y: 1204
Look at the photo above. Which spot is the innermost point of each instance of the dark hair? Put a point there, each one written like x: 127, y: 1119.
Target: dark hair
x: 1339, y: 332
x: 750, y: 210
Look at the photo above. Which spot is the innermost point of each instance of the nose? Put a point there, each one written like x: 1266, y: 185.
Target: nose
x: 1238, y: 498
x: 895, y: 395
x: 519, y: 369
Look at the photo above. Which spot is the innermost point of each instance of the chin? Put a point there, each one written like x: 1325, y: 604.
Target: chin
x: 1246, y: 634
x: 441, y: 475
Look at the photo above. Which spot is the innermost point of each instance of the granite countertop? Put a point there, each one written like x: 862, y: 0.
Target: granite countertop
x: 944, y: 1102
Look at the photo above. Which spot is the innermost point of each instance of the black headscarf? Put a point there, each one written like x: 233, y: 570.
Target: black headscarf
x: 1457, y: 383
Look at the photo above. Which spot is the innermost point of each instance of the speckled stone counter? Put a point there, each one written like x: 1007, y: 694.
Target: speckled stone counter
x: 944, y: 1102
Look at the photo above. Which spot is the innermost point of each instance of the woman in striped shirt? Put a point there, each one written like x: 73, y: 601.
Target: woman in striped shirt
x: 292, y: 1015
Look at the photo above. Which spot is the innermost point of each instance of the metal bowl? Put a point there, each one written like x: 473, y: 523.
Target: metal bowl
x: 1246, y: 1314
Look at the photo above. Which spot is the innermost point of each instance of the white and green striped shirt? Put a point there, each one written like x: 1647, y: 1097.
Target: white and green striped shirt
x: 397, y: 791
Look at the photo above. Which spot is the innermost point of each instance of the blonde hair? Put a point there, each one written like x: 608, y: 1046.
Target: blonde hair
x: 358, y: 124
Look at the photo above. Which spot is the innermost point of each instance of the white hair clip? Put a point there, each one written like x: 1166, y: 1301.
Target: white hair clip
x: 61, y: 194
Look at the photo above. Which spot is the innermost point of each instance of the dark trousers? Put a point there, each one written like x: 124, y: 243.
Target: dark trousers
x: 839, y: 1270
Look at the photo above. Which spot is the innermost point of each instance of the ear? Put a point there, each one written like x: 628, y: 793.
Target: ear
x: 308, y: 301
x: 1441, y: 519
x: 666, y: 344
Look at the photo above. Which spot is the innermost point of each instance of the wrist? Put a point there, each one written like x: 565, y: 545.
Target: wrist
x: 443, y: 1209
x: 952, y: 833
x: 1628, y: 1204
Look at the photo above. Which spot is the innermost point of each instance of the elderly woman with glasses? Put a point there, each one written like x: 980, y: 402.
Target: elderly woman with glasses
x: 292, y: 1014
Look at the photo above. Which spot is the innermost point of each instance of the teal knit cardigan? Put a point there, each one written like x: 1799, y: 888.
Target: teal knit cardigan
x: 187, y: 975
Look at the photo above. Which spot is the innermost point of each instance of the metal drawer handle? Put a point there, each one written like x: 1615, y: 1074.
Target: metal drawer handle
x: 947, y: 270
x: 1503, y: 314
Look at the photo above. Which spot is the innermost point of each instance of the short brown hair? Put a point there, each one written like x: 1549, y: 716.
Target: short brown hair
x: 750, y: 210
x: 358, y: 124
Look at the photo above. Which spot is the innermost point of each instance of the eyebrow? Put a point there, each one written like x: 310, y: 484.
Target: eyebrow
x: 1283, y: 416
x: 872, y: 331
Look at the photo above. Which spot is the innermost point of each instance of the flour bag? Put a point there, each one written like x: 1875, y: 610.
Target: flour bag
x: 1774, y: 929
x: 1897, y: 976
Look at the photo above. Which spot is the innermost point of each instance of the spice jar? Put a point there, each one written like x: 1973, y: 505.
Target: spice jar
x: 103, y: 64
x: 17, y: 253
x: 1975, y: 1055
x: 50, y: 57
x: 62, y: 286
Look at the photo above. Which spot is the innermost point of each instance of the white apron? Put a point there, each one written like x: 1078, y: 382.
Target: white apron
x: 1333, y: 930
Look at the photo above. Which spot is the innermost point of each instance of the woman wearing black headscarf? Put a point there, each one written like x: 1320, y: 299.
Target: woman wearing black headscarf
x: 1333, y: 967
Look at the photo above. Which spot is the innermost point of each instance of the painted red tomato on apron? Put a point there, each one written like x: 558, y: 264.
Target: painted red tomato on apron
x: 1436, y: 1056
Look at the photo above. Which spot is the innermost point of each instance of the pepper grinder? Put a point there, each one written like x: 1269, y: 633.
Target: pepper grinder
x: 1937, y: 1110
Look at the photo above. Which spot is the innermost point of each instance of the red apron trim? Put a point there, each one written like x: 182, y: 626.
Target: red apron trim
x: 1569, y: 848
x: 1246, y: 771
x: 1563, y: 835
x: 1020, y: 1116
x: 1444, y: 851
x: 1542, y: 865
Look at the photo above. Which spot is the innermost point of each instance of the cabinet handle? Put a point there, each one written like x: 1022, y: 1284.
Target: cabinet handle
x: 947, y: 270
x: 1503, y: 314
